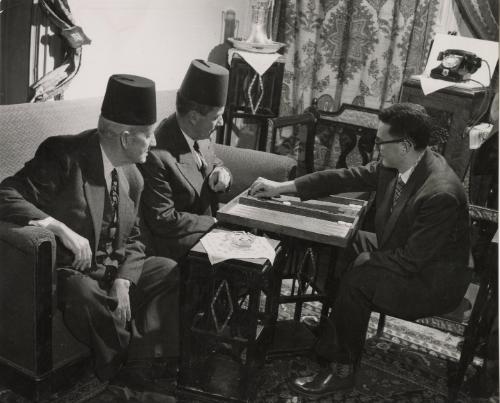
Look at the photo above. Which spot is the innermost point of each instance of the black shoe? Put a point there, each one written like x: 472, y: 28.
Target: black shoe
x: 327, y: 381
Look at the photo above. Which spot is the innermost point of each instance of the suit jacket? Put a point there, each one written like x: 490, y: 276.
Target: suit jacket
x: 177, y: 204
x: 427, y: 233
x: 65, y: 180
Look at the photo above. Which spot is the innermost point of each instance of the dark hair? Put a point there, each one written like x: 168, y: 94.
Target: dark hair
x: 184, y: 105
x: 408, y: 120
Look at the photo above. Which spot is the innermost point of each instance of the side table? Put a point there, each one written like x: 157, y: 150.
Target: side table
x: 228, y: 314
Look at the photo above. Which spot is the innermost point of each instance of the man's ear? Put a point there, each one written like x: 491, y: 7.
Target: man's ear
x: 125, y: 139
x: 192, y: 117
x: 407, y: 145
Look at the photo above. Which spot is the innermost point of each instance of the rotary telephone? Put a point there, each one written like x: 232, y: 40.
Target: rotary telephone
x: 456, y: 65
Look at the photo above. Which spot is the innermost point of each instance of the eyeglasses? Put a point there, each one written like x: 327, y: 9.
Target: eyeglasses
x: 378, y: 143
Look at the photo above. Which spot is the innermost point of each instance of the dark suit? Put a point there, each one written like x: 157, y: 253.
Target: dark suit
x: 177, y: 204
x: 418, y: 257
x: 65, y: 180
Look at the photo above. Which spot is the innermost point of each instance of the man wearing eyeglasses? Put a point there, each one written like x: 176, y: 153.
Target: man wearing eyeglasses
x: 414, y: 266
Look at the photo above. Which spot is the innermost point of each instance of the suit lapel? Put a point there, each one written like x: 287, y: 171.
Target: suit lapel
x: 384, y: 203
x: 415, y: 181
x: 94, y: 184
x: 186, y: 162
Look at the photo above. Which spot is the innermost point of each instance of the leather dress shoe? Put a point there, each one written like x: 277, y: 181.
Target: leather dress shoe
x: 329, y: 380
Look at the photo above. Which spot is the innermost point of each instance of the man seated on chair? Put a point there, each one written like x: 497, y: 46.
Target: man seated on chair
x: 415, y: 265
x: 182, y: 173
x: 85, y: 188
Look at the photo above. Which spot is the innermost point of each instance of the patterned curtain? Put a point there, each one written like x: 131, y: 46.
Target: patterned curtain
x: 481, y: 17
x: 351, y: 51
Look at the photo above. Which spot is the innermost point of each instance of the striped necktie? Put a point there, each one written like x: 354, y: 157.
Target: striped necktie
x: 397, y: 191
x: 202, y: 166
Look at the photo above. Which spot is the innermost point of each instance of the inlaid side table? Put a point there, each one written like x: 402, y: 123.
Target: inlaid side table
x: 228, y: 314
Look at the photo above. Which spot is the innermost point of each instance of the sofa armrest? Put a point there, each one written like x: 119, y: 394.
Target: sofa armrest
x: 247, y: 165
x: 27, y: 294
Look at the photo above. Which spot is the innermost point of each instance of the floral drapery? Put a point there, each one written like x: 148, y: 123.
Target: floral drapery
x: 352, y: 51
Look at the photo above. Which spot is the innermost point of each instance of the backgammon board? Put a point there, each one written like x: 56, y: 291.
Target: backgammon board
x: 332, y: 220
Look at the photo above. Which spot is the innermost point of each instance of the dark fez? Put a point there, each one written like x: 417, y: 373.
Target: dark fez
x: 130, y: 100
x: 205, y: 83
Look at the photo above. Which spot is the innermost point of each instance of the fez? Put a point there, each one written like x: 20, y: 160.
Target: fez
x: 130, y: 100
x: 205, y: 83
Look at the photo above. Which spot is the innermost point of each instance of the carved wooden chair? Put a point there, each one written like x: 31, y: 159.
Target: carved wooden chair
x: 325, y: 139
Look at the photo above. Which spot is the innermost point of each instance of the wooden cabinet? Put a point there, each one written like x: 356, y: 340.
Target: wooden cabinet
x: 454, y: 108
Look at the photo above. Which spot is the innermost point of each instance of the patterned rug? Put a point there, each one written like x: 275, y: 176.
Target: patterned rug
x: 410, y: 363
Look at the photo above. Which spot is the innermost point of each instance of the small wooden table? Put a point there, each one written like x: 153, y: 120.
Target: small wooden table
x: 227, y: 323
x: 305, y: 228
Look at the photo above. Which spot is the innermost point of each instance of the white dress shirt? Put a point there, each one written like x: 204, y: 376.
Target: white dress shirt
x: 405, y: 176
x: 108, y: 167
x: 190, y: 142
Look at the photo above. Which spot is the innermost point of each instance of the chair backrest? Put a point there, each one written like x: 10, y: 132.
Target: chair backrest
x: 339, y: 139
x: 339, y: 133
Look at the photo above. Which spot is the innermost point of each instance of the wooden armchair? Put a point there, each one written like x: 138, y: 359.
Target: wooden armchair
x: 350, y: 126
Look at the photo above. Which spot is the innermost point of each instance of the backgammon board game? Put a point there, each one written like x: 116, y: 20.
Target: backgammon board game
x: 332, y: 220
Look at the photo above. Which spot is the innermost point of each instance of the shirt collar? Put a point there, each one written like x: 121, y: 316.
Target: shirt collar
x: 189, y: 140
x: 405, y: 176
x: 108, y: 167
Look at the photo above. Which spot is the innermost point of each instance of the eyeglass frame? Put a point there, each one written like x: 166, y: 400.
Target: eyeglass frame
x: 377, y: 144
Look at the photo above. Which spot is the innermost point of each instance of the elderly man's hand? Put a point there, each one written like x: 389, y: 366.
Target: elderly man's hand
x: 219, y: 179
x: 76, y: 243
x: 120, y: 291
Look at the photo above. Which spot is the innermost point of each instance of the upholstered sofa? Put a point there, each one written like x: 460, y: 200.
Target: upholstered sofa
x: 36, y: 350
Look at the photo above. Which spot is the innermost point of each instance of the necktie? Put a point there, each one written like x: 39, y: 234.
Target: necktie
x: 110, y: 260
x: 113, y: 195
x: 397, y: 191
x: 203, y: 163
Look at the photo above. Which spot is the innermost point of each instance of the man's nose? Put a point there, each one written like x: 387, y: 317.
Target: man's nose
x: 153, y: 141
x: 220, y: 121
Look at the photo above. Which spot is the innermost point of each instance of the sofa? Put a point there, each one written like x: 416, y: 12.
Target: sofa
x: 37, y: 354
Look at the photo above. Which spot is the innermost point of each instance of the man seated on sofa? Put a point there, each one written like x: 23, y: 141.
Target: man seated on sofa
x: 416, y: 263
x: 85, y: 188
x: 182, y: 174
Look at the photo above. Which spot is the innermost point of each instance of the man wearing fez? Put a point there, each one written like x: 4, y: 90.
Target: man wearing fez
x: 415, y: 265
x: 182, y: 175
x: 85, y: 188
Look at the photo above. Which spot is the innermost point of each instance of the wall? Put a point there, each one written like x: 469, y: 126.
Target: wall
x: 153, y: 38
